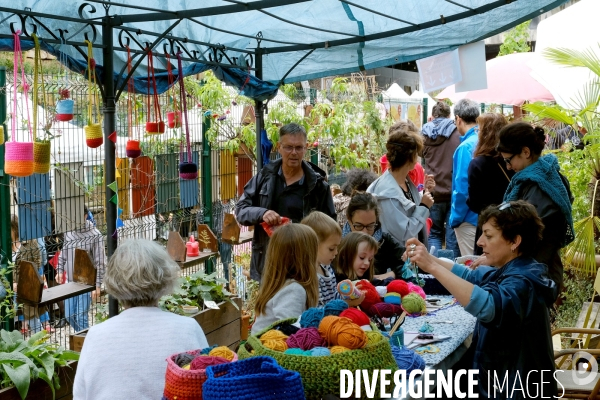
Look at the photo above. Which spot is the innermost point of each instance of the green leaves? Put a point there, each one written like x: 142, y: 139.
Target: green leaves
x: 19, y: 376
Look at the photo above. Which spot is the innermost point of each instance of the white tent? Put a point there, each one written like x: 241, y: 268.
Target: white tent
x: 395, y: 92
x: 417, y: 94
x: 573, y: 28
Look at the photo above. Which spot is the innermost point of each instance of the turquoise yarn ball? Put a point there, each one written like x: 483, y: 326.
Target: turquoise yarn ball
x: 334, y: 307
x: 320, y: 352
x: 311, y: 318
x: 407, y: 359
x: 297, y: 352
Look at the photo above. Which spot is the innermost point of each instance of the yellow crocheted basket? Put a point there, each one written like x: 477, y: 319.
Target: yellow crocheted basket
x: 1, y: 135
x: 93, y: 135
x: 41, y: 157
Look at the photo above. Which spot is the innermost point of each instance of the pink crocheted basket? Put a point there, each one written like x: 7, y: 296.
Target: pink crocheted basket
x: 19, y: 158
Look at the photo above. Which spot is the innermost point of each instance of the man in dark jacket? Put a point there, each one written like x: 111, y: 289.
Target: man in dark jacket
x: 441, y: 140
x: 289, y: 187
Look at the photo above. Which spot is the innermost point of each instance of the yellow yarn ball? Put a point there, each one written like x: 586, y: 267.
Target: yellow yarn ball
x: 374, y: 337
x: 222, y: 351
x: 187, y: 366
x: 274, y: 340
x: 338, y: 349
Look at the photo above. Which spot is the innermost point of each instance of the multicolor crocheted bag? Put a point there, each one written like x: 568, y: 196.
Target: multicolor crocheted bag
x: 321, y: 375
x: 255, y: 378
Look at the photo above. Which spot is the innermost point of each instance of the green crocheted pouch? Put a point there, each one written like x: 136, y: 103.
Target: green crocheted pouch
x: 321, y: 375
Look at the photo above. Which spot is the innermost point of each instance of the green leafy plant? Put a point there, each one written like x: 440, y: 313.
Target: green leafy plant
x: 8, y: 308
x: 516, y: 40
x: 24, y: 361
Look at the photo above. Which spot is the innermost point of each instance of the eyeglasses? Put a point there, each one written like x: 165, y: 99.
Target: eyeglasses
x: 290, y: 149
x: 508, y: 159
x: 370, y: 228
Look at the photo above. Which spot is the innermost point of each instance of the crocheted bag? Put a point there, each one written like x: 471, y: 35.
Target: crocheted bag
x: 183, y: 384
x: 255, y: 378
x: 321, y: 375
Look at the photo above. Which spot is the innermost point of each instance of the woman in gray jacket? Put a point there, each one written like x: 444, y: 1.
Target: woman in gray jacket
x: 404, y: 212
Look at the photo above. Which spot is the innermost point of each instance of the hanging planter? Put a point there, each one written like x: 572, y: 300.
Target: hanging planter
x: 41, y: 157
x: 174, y: 119
x: 157, y: 126
x: 41, y: 147
x: 132, y: 149
x: 188, y: 170
x: 174, y: 116
x: 64, y: 110
x: 93, y: 130
x: 1, y: 135
x: 18, y: 157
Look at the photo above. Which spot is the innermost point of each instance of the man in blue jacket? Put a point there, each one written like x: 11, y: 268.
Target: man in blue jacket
x: 462, y: 219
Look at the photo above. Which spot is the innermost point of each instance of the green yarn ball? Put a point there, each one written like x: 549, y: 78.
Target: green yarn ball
x: 412, y: 303
x: 373, y: 337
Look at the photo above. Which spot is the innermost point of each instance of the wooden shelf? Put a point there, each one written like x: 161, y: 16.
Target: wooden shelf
x: 60, y: 292
x: 245, y: 237
x: 193, y: 261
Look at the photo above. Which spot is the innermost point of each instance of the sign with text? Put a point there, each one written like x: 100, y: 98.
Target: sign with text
x: 439, y: 71
x: 472, y: 66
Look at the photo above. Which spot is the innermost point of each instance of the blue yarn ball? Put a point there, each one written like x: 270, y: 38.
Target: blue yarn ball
x: 311, y: 318
x: 207, y: 350
x: 334, y: 307
x: 407, y: 359
x: 320, y: 352
x: 297, y: 352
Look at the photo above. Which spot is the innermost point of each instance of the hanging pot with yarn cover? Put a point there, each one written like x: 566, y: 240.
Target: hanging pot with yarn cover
x: 64, y: 106
x: 188, y: 170
x: 156, y: 127
x: 132, y: 147
x: 18, y: 156
x: 41, y: 147
x: 1, y: 135
x: 93, y: 131
x: 174, y: 119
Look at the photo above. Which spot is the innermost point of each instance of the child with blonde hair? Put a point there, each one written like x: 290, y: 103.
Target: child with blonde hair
x: 355, y: 258
x: 289, y: 284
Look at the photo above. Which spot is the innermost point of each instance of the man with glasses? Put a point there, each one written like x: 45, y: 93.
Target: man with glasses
x: 289, y: 187
x: 462, y: 219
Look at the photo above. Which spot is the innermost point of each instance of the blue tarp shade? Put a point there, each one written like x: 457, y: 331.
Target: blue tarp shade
x: 323, y: 37
x: 33, y: 195
x: 188, y: 189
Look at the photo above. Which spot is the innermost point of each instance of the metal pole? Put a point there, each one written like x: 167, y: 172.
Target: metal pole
x: 206, y: 165
x: 259, y: 109
x: 424, y: 110
x: 5, y: 239
x: 109, y: 147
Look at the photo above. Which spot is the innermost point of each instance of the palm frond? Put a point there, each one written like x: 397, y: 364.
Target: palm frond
x: 554, y: 112
x: 574, y: 58
x: 581, y: 253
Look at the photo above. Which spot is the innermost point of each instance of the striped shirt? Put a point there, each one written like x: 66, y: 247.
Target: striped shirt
x: 327, y: 286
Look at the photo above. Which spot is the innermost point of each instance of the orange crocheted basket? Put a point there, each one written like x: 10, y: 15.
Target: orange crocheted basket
x: 132, y: 148
x: 155, y: 128
x: 18, y: 159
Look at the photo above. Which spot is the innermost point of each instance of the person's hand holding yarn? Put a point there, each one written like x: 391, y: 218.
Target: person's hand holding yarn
x: 356, y: 302
x: 419, y: 255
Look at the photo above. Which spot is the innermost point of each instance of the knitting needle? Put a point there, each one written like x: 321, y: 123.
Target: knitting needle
x: 397, y: 324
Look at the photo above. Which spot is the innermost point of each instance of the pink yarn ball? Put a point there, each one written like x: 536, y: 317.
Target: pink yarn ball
x: 306, y: 339
x: 202, y: 362
x: 416, y: 289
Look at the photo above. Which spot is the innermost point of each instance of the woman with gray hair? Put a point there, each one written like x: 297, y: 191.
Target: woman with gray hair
x: 125, y: 357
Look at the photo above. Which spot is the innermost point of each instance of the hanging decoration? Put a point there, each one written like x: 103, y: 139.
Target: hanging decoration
x: 173, y: 117
x: 158, y: 126
x: 18, y: 155
x: 64, y: 106
x: 132, y: 148
x: 41, y: 147
x: 93, y: 130
x: 188, y: 170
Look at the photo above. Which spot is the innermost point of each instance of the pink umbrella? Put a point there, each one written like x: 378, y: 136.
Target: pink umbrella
x: 509, y: 82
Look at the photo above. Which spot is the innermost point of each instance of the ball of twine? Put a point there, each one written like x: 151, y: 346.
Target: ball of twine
x: 356, y: 316
x: 222, y: 351
x: 398, y: 286
x: 393, y: 298
x: 320, y: 352
x: 407, y: 359
x: 412, y: 303
x: 371, y: 295
x: 334, y: 307
x: 274, y: 340
x: 202, y: 362
x: 416, y: 289
x: 373, y: 337
x: 385, y: 310
x: 311, y: 317
x: 338, y: 349
x: 306, y: 339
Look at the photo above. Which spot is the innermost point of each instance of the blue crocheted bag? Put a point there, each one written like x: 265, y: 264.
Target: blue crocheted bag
x: 255, y: 378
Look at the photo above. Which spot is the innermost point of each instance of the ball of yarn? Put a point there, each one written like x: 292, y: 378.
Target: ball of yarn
x: 320, y: 352
x: 183, y: 359
x: 274, y: 340
x: 346, y: 333
x: 222, y: 351
x: 356, y: 316
x: 202, y: 362
x: 338, y: 349
x: 385, y: 310
x: 334, y: 307
x: 412, y: 303
x: 207, y: 350
x: 373, y: 337
x: 326, y: 325
x: 393, y: 298
x: 407, y: 359
x: 371, y: 295
x: 311, y: 317
x: 416, y: 289
x: 297, y: 352
x: 306, y: 339
x: 398, y: 286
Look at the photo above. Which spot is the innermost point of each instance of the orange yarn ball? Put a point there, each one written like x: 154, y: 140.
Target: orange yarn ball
x: 340, y: 331
x: 223, y: 352
x: 326, y: 325
x: 274, y: 340
x: 338, y: 349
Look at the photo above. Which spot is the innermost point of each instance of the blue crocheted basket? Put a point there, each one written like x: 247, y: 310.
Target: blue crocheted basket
x: 251, y: 379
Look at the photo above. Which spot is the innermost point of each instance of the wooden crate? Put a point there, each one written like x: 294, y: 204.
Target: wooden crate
x: 39, y: 390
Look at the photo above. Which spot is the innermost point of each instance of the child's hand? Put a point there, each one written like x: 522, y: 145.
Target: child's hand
x: 389, y: 274
x: 356, y: 302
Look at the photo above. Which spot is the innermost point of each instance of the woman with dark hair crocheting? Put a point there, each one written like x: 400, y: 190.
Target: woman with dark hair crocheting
x: 357, y: 180
x: 538, y: 181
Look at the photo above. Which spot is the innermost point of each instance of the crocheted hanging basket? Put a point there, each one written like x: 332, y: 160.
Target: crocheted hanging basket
x: 93, y: 135
x: 188, y: 171
x: 321, y: 375
x: 174, y: 119
x: 41, y: 157
x: 132, y: 149
x: 64, y: 110
x: 155, y: 128
x: 255, y: 378
x: 1, y: 135
x: 18, y: 159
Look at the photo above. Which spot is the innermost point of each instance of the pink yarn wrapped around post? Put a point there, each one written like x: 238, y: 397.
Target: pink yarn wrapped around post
x: 306, y: 339
x: 416, y: 289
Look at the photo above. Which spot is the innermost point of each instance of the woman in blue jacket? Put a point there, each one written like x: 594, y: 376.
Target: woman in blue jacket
x: 512, y: 335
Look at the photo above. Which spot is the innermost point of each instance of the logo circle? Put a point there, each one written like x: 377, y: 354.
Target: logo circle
x: 591, y: 368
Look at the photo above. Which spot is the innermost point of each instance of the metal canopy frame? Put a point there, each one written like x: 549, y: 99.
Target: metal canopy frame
x: 193, y: 51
